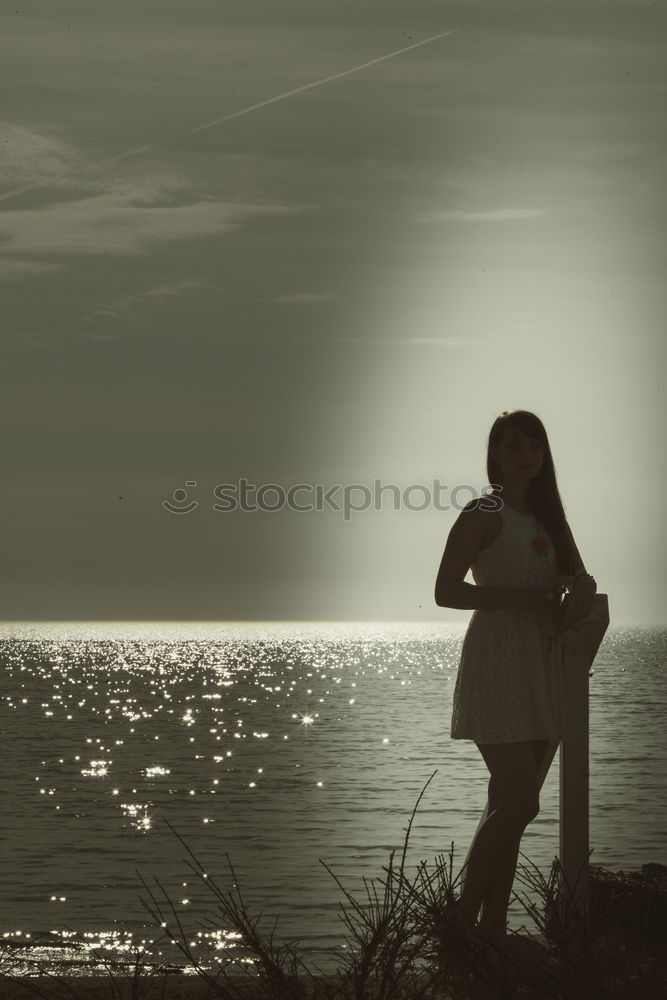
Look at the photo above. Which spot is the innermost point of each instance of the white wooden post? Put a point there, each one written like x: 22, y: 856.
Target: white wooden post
x: 580, y: 645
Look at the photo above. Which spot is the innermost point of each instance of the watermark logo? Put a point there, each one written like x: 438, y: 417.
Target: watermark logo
x: 354, y: 498
x: 179, y: 496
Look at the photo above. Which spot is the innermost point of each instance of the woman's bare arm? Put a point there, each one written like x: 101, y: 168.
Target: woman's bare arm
x: 463, y: 543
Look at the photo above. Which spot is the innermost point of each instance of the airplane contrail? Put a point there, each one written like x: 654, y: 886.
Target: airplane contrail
x: 252, y: 107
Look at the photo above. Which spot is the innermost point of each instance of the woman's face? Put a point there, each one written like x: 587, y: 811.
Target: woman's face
x: 518, y: 455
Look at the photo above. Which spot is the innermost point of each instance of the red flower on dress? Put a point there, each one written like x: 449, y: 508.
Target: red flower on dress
x: 541, y: 543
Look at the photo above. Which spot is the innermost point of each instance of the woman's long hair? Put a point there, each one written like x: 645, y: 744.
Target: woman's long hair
x: 542, y: 495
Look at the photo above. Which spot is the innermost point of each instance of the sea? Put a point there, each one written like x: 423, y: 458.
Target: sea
x: 151, y: 769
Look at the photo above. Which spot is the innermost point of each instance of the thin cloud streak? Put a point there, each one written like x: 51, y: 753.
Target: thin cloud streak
x: 122, y: 306
x: 390, y: 342
x: 440, y: 342
x: 302, y: 297
x: 493, y: 215
x: 16, y: 270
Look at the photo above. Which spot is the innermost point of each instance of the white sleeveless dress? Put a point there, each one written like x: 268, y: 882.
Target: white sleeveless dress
x: 509, y: 686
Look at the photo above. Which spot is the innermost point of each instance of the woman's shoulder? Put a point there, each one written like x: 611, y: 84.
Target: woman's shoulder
x: 486, y: 519
x: 485, y: 514
x: 487, y: 504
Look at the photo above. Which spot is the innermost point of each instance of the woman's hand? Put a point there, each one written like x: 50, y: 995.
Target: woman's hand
x: 536, y: 598
x: 579, y: 602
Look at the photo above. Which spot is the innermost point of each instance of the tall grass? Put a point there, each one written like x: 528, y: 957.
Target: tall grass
x: 407, y: 943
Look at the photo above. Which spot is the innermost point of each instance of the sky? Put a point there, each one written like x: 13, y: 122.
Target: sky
x: 207, y: 278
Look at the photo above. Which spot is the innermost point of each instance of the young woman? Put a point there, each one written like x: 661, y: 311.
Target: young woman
x: 508, y: 696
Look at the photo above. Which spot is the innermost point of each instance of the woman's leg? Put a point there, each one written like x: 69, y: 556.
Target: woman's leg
x: 494, y: 853
x: 493, y: 919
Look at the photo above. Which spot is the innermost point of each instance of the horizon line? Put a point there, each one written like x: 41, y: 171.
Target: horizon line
x: 220, y: 621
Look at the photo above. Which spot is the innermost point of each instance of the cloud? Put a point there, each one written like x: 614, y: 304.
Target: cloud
x: 302, y: 297
x: 314, y: 341
x: 104, y: 216
x: 15, y: 270
x: 20, y: 341
x: 382, y: 342
x: 495, y: 215
x: 125, y: 221
x: 439, y: 341
x: 121, y: 306
x: 31, y: 159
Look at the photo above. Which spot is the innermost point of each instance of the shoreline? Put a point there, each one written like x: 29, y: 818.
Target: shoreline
x: 531, y: 951
x: 172, y: 986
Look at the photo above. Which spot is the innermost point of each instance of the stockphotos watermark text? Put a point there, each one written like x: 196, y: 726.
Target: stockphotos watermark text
x: 356, y: 497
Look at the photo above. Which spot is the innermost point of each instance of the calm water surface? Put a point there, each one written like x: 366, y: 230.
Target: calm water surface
x: 278, y: 745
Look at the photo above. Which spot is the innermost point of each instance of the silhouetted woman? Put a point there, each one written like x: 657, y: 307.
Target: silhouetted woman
x: 509, y: 695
